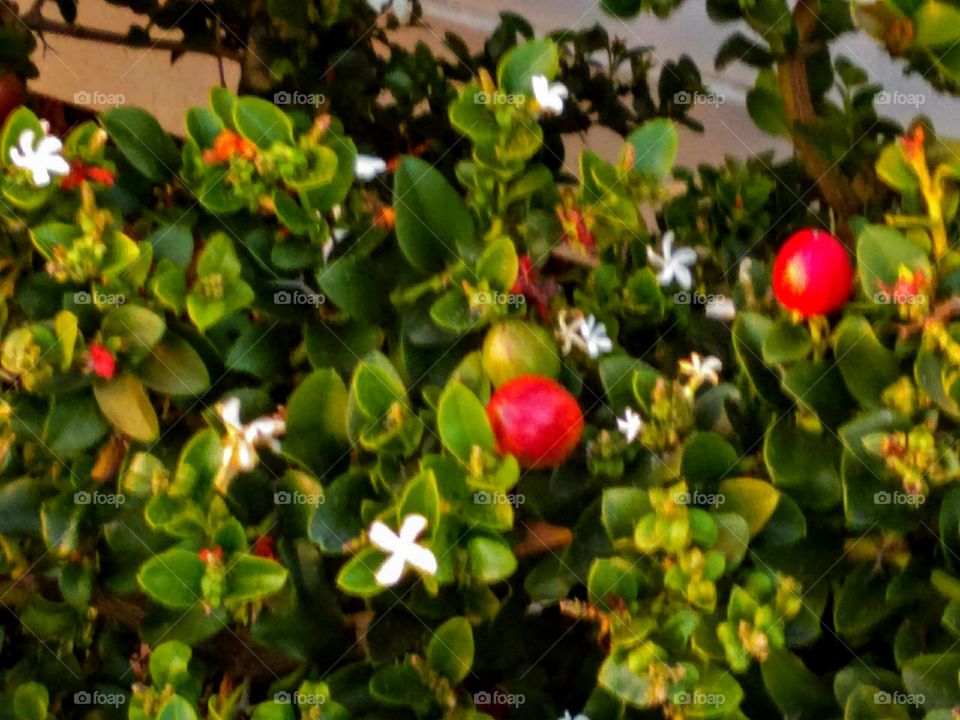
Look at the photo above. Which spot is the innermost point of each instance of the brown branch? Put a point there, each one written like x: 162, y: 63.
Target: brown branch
x: 53, y: 27
x: 833, y: 185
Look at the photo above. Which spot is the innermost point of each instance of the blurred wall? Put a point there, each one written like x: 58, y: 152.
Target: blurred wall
x: 98, y: 76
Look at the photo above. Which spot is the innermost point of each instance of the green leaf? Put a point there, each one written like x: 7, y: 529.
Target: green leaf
x: 337, y: 521
x: 868, y: 368
x: 937, y: 24
x: 749, y: 332
x: 654, y: 148
x: 31, y: 701
x: 517, y: 68
x: 881, y: 253
x: 316, y: 432
x: 357, y: 285
x: 450, y: 651
x: 609, y: 578
x: 358, y: 576
x: 935, y: 677
x: 491, y: 559
x: 753, y: 500
x: 254, y: 578
x: 74, y: 424
x: 174, y: 368
x: 707, y: 458
x: 143, y: 142
x: 135, y: 327
x: 617, y: 678
x: 766, y: 107
x: 126, y: 405
x: 804, y: 465
x: 861, y: 603
x: 786, y: 342
x: 433, y: 222
x: 262, y: 122
x: 170, y: 663
x: 797, y: 692
x: 172, y: 578
x: 176, y: 708
x: 498, y: 264
x: 622, y: 508
x: 895, y: 171
x: 462, y: 422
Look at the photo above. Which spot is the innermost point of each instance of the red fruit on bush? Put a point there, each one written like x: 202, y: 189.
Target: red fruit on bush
x: 11, y: 94
x: 536, y: 420
x: 812, y: 273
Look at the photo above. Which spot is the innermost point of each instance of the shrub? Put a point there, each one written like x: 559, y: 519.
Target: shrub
x: 381, y: 414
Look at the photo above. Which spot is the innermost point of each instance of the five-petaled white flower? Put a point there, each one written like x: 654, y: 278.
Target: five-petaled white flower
x: 673, y: 264
x: 630, y: 424
x: 239, y: 451
x: 41, y: 159
x: 402, y: 549
x: 584, y: 333
x: 595, y: 338
x: 549, y: 96
x: 367, y: 167
x: 701, y: 370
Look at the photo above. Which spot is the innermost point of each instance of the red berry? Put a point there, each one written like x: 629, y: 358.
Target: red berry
x: 812, y: 273
x: 100, y: 361
x: 536, y: 420
x: 11, y: 94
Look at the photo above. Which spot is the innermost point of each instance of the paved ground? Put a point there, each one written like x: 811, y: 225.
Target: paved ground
x: 80, y: 71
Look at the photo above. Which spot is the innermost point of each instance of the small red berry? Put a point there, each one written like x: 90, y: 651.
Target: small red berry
x: 812, y: 274
x: 101, y: 361
x: 209, y: 555
x: 536, y: 420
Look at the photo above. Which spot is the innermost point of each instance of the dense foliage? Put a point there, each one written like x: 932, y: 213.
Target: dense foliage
x: 371, y: 409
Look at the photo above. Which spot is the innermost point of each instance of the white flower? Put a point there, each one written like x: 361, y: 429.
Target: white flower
x: 584, y: 333
x: 402, y: 549
x: 595, y: 337
x: 673, y: 265
x: 568, y: 331
x: 549, y: 97
x: 701, y: 370
x: 41, y: 160
x: 239, y: 452
x: 721, y: 308
x: 568, y: 716
x: 367, y: 167
x: 401, y: 8
x: 630, y: 424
